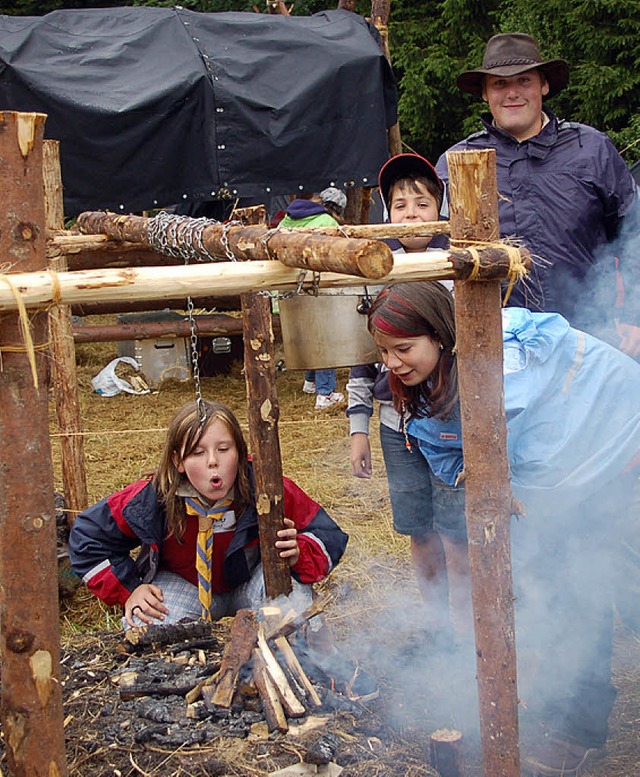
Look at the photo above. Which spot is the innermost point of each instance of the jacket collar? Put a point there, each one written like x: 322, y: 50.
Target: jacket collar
x: 537, y: 146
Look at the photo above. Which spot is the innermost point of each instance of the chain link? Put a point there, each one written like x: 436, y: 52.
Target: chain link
x: 225, y: 239
x: 202, y: 412
x: 180, y: 236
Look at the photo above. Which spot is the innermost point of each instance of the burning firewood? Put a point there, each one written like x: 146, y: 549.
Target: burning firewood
x: 290, y: 702
x: 293, y: 621
x: 242, y: 638
x: 292, y: 663
x: 272, y: 708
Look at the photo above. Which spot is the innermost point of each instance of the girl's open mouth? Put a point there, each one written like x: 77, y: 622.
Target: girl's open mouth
x: 215, y: 481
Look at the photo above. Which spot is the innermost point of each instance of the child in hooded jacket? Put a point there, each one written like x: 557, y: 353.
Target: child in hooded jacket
x: 196, y: 523
x: 412, y: 193
x: 573, y: 421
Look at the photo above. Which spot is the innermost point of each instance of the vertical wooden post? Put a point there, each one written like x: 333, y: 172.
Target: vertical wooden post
x: 31, y: 708
x: 264, y: 413
x: 380, y: 13
x: 62, y: 351
x: 474, y: 217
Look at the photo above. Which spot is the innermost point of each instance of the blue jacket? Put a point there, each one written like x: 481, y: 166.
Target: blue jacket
x: 573, y: 413
x: 565, y: 192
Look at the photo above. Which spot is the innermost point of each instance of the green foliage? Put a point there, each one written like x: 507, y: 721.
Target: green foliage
x: 431, y: 43
x: 600, y: 39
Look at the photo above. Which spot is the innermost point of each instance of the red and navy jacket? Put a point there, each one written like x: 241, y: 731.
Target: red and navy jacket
x: 104, y: 535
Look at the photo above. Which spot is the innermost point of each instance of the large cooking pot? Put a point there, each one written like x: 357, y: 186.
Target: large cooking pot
x: 328, y: 330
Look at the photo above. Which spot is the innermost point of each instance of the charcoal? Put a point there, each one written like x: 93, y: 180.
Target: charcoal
x: 151, y: 709
x: 149, y: 733
x: 323, y: 749
x: 337, y: 703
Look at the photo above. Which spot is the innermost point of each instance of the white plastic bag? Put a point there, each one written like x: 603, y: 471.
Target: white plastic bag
x: 108, y: 384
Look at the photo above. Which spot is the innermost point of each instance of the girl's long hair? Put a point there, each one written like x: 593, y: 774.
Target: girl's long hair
x: 411, y: 310
x: 184, y: 433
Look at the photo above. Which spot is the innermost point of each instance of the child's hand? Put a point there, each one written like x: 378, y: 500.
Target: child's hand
x: 146, y: 604
x: 288, y: 542
x: 360, y: 455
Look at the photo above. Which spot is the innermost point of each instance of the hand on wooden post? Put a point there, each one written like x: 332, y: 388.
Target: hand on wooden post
x: 288, y: 542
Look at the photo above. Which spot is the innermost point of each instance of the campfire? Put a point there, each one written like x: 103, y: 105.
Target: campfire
x: 254, y: 680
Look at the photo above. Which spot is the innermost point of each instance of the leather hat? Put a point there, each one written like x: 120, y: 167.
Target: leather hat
x: 402, y: 166
x: 509, y: 54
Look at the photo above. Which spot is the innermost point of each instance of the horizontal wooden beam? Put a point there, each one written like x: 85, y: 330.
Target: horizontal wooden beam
x: 41, y: 289
x: 210, y: 241
x: 205, y: 326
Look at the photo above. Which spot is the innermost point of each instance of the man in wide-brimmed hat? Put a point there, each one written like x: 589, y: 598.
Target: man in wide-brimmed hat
x: 565, y: 191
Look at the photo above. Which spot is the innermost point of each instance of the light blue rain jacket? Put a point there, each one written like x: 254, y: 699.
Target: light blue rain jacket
x: 573, y: 413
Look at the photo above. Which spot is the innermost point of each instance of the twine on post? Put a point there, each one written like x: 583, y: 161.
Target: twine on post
x: 517, y: 268
x: 25, y: 328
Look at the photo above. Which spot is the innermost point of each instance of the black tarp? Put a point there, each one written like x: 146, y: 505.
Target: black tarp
x: 156, y: 106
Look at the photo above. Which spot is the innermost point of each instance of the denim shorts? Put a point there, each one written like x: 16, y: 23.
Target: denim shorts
x: 420, y: 502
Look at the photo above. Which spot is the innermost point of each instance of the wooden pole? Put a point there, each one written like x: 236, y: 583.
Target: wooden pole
x: 366, y: 258
x: 474, y: 217
x: 263, y: 416
x: 446, y: 752
x: 205, y: 326
x: 224, y: 279
x: 62, y: 352
x: 87, y: 252
x: 31, y: 707
x: 380, y: 13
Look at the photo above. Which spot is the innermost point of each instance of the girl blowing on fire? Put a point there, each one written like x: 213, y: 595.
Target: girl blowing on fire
x: 197, y: 523
x: 573, y: 417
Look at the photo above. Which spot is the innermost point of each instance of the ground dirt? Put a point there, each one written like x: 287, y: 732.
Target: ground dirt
x: 374, y: 616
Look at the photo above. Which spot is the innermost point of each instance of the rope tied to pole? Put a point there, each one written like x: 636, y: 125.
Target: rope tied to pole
x: 517, y: 268
x: 25, y: 328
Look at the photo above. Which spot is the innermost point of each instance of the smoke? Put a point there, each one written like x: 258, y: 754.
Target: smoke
x: 567, y: 578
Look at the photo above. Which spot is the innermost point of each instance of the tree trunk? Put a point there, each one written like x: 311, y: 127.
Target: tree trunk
x: 380, y: 13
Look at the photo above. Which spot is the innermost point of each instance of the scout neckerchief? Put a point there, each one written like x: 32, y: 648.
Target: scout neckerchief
x: 206, y: 516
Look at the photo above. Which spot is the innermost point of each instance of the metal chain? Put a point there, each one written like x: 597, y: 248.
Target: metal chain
x: 202, y: 412
x: 180, y: 236
x: 225, y: 239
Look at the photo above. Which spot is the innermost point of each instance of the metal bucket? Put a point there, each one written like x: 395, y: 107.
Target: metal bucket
x: 329, y: 330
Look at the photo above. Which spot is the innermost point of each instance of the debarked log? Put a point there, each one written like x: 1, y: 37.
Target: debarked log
x: 290, y: 702
x: 225, y: 279
x: 321, y: 253
x: 382, y: 231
